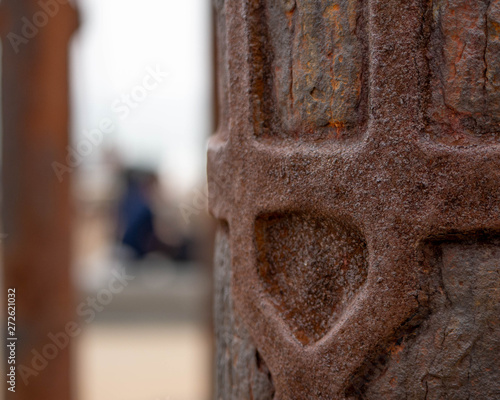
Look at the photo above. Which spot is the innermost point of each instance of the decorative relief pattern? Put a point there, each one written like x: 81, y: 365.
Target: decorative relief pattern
x: 408, y: 330
x: 311, y: 267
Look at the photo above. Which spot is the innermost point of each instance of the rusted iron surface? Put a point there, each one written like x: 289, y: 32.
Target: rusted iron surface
x: 307, y: 76
x: 241, y: 373
x: 36, y: 213
x: 464, y: 46
x: 449, y: 354
x: 356, y: 174
x: 292, y: 251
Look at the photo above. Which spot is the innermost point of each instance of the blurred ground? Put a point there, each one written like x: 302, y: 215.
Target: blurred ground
x: 150, y: 362
x: 151, y: 343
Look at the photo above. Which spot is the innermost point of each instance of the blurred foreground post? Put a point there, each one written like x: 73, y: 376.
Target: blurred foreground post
x: 355, y: 177
x: 36, y: 205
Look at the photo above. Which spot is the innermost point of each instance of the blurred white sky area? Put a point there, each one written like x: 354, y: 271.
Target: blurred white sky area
x: 164, y: 124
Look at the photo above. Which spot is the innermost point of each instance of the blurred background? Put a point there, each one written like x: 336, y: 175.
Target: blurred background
x: 140, y: 113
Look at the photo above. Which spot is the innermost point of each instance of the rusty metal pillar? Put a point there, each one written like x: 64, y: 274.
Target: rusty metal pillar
x: 36, y: 206
x: 355, y: 175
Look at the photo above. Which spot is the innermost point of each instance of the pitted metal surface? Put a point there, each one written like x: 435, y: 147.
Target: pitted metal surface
x: 334, y: 192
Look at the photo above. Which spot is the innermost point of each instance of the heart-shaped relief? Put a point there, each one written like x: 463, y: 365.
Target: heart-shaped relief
x: 311, y: 267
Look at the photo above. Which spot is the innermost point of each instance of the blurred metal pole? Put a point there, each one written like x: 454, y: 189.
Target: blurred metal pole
x: 36, y: 204
x: 355, y: 179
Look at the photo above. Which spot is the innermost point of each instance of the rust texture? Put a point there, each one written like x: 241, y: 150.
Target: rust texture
x: 355, y: 177
x: 449, y: 353
x: 294, y: 253
x: 307, y: 63
x: 464, y: 44
x: 241, y: 372
x: 36, y: 206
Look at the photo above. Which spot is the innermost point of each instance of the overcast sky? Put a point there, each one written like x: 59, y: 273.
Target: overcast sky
x: 118, y: 44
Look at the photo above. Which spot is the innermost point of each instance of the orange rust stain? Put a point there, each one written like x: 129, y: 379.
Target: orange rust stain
x: 397, y: 349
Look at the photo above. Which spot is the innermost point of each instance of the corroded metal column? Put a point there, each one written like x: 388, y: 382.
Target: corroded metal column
x: 355, y: 175
x: 36, y: 206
